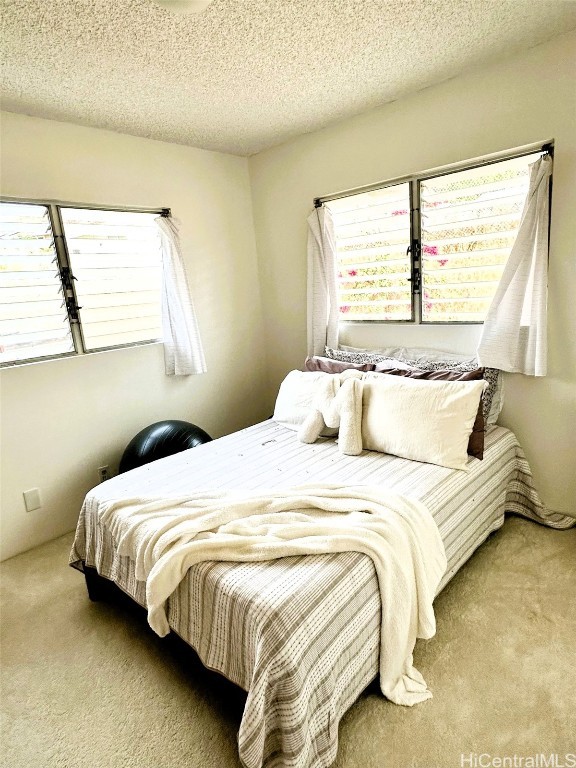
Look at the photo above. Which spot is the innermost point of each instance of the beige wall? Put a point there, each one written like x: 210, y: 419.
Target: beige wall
x: 61, y: 419
x: 524, y: 99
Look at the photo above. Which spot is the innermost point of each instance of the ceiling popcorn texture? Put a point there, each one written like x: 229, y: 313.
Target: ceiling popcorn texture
x: 245, y: 75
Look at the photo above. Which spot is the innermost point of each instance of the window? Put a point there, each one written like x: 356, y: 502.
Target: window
x: 430, y: 249
x: 76, y: 280
x: 33, y: 319
x: 372, y: 234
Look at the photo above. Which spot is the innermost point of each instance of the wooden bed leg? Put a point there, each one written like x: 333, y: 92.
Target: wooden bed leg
x: 95, y: 584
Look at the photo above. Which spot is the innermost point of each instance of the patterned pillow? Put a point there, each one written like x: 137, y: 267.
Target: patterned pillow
x: 493, y: 395
x: 362, y: 356
x: 491, y: 399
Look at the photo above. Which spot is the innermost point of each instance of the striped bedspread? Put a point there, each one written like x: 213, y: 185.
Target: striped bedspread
x: 301, y: 634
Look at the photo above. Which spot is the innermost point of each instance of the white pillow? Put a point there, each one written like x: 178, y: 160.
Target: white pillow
x: 295, y: 397
x: 427, y: 421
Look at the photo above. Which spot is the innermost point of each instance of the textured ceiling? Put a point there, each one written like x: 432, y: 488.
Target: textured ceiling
x: 247, y: 74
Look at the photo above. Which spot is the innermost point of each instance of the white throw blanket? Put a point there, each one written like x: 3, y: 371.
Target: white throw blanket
x: 165, y: 537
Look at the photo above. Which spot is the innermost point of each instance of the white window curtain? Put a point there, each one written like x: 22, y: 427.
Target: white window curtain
x: 514, y: 334
x: 183, y: 353
x: 322, y: 291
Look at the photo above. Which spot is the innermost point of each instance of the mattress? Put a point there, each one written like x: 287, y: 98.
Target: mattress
x: 301, y: 634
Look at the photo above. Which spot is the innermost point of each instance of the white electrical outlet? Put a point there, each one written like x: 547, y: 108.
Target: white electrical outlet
x: 103, y: 473
x: 32, y: 499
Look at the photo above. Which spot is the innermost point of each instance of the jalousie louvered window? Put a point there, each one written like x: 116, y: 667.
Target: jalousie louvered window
x: 116, y: 262
x: 33, y: 315
x: 431, y: 248
x: 469, y: 222
x: 372, y: 234
x: 75, y: 279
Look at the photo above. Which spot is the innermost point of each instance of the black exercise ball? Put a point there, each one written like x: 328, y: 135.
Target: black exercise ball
x: 160, y: 440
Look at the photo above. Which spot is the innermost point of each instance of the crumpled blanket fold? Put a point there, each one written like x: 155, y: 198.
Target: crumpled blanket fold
x: 165, y: 537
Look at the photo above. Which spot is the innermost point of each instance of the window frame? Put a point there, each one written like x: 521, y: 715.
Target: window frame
x: 64, y: 274
x: 415, y: 246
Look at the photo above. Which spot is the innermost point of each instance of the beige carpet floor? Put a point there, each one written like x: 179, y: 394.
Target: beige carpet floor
x: 89, y: 684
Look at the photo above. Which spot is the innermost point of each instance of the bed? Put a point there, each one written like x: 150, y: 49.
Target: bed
x: 301, y: 634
